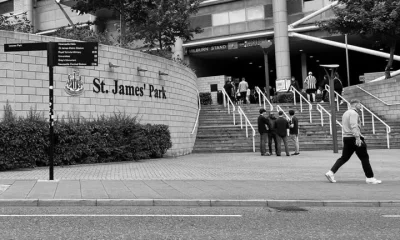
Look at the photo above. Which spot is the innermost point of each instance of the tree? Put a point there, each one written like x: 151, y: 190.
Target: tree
x: 128, y: 10
x: 17, y: 23
x: 376, y: 19
x: 168, y: 20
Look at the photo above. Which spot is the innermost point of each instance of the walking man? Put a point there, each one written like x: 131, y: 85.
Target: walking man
x: 263, y: 127
x: 311, y: 86
x: 282, y: 126
x: 243, y: 86
x: 353, y: 141
x: 294, y: 132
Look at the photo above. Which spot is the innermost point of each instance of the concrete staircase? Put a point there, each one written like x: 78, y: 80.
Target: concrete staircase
x: 216, y: 132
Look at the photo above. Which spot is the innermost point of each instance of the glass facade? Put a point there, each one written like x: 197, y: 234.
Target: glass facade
x: 242, y: 15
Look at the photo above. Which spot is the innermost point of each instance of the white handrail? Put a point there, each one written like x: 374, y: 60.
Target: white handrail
x: 260, y: 93
x: 372, y: 95
x: 198, y: 112
x: 321, y: 109
x: 278, y: 108
x: 294, y: 91
x: 337, y: 95
x: 225, y: 96
x: 388, y: 129
x: 247, y: 122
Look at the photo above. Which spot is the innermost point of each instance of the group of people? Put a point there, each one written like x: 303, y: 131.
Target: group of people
x: 279, y: 130
x: 311, y: 86
x: 240, y: 94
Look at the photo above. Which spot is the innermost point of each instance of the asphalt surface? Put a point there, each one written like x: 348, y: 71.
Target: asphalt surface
x: 199, y: 223
x: 231, y: 179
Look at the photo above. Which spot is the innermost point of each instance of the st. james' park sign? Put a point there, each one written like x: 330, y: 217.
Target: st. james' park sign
x: 130, y: 90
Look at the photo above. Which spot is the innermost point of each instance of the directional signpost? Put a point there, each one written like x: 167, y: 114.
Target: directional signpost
x: 59, y: 54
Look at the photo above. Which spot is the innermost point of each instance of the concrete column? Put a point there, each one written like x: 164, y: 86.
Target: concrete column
x: 178, y: 48
x: 28, y: 8
x: 303, y: 67
x: 282, y: 53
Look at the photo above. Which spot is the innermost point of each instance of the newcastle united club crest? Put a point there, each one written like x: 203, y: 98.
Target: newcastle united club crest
x: 74, y: 85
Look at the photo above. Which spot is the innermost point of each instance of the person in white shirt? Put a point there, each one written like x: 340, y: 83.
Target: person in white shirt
x: 248, y: 92
x: 243, y: 86
x: 311, y: 85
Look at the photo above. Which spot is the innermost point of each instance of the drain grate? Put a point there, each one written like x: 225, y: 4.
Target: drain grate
x: 290, y: 209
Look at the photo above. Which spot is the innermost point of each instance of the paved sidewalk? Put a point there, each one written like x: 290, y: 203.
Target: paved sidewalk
x: 237, y: 179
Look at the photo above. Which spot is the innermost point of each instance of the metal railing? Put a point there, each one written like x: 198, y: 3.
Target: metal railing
x: 372, y: 95
x: 228, y: 103
x: 337, y: 96
x: 247, y: 123
x: 294, y: 91
x: 198, y: 112
x: 321, y: 109
x: 278, y: 108
x: 265, y: 99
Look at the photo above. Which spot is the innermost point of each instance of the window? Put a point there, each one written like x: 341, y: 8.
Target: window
x: 254, y: 13
x: 237, y: 16
x: 220, y: 19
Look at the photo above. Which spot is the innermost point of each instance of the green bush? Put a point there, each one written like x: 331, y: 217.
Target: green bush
x: 205, y: 98
x: 24, y: 143
x: 288, y: 97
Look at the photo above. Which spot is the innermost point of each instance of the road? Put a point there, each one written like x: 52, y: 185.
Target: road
x: 198, y: 223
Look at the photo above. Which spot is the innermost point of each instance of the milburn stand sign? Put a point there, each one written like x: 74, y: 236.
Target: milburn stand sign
x: 59, y: 54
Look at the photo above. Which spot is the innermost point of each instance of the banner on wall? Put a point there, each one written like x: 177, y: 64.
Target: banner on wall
x: 282, y: 85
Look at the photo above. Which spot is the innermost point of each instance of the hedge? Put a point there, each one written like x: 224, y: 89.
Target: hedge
x: 288, y: 97
x: 205, y: 98
x: 25, y: 143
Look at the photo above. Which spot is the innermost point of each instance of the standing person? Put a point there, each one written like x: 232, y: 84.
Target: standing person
x: 263, y: 127
x: 248, y: 92
x: 353, y: 141
x: 272, y: 134
x: 311, y: 84
x: 282, y: 126
x: 324, y: 83
x: 294, y: 131
x: 271, y: 93
x: 243, y: 86
x: 228, y: 89
x: 294, y: 84
x: 338, y: 86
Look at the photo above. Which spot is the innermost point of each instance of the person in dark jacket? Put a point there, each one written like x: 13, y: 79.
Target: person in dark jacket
x: 263, y: 127
x: 324, y: 83
x: 272, y: 134
x: 281, y: 127
x: 294, y: 131
x: 294, y: 84
x: 228, y: 89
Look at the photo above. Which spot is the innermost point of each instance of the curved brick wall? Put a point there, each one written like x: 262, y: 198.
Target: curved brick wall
x: 24, y: 82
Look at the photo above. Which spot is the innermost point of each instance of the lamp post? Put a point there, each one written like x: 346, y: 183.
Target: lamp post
x: 333, y: 68
x: 265, y: 48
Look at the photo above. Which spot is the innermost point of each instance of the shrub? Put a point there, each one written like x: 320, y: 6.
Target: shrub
x: 205, y: 98
x: 24, y: 143
x: 288, y: 97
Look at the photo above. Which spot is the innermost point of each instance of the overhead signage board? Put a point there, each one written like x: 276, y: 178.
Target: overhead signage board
x: 220, y: 47
x: 76, y: 54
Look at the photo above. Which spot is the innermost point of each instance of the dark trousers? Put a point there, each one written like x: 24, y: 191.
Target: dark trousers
x: 349, y: 147
x: 243, y: 96
x: 270, y: 137
x: 285, y: 142
x: 263, y: 142
x: 324, y: 92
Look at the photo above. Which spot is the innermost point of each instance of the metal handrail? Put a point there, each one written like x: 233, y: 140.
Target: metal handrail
x: 388, y: 129
x: 247, y: 122
x: 225, y: 96
x: 372, y: 95
x: 321, y: 109
x: 337, y: 95
x: 198, y: 112
x: 271, y: 107
x: 294, y: 91
x: 278, y: 108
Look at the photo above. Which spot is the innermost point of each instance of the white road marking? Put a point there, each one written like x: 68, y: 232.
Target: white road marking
x: 114, y: 215
x: 391, y: 216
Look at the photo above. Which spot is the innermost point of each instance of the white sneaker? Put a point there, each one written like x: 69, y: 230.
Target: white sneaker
x: 373, y: 181
x: 341, y: 102
x: 330, y: 176
x: 322, y: 101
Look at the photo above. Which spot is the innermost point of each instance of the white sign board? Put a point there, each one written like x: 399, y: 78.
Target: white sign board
x: 282, y: 85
